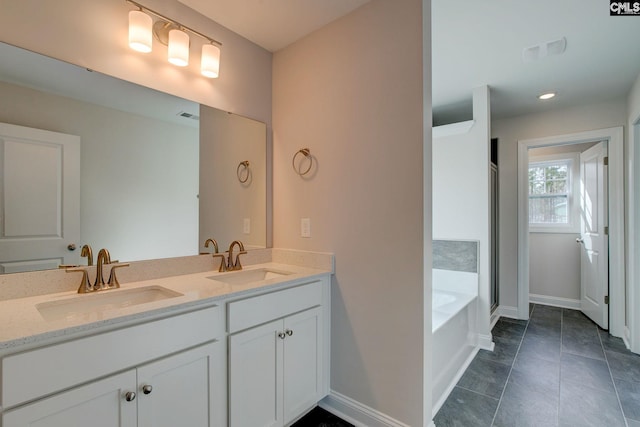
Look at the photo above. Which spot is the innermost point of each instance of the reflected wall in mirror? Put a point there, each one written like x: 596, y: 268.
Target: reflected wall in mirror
x: 138, y: 166
x: 233, y: 192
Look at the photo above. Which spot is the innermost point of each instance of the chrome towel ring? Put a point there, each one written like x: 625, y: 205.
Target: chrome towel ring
x: 307, y: 156
x: 243, y: 172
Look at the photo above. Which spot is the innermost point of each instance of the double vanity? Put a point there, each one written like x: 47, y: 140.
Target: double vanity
x: 241, y: 348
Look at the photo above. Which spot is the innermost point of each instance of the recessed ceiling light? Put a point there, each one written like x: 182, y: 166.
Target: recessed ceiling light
x: 547, y: 95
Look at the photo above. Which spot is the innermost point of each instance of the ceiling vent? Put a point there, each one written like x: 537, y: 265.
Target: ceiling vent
x: 554, y: 47
x: 189, y: 115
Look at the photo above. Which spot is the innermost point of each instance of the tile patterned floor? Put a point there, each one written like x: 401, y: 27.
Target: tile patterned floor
x: 557, y: 369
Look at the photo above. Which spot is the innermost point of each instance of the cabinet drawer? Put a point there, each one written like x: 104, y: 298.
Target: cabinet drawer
x: 36, y: 373
x: 253, y: 311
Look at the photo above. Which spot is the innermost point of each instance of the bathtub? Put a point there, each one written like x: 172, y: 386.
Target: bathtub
x: 455, y: 339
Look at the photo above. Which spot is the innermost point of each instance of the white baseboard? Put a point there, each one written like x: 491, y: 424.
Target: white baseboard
x: 555, y: 301
x: 506, y: 311
x: 356, y: 413
x: 485, y: 342
x: 454, y: 381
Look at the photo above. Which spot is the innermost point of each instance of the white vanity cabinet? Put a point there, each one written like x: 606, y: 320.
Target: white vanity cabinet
x: 168, y: 372
x: 278, y: 355
x: 101, y: 403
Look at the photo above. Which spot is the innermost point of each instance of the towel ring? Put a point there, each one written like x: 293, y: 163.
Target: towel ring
x: 307, y: 154
x: 243, y: 171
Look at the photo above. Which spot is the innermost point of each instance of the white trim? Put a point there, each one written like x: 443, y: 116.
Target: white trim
x: 573, y: 195
x: 356, y: 413
x: 632, y: 330
x: 510, y: 312
x: 454, y: 381
x: 573, y: 304
x: 614, y: 136
x: 485, y: 342
x: 452, y: 129
x: 495, y: 316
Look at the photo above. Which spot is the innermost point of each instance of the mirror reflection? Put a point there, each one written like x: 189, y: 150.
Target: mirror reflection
x: 89, y: 159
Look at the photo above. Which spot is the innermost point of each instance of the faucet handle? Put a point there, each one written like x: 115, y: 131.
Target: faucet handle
x: 237, y: 265
x: 223, y: 262
x: 85, y: 284
x: 113, y: 280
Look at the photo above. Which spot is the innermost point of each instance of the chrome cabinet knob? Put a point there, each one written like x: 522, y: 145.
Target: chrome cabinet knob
x: 147, y: 389
x: 289, y: 332
x: 71, y: 246
x: 281, y: 335
x: 579, y: 240
x: 130, y: 396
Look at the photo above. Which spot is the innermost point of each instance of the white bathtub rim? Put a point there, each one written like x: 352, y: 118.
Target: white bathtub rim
x: 440, y: 315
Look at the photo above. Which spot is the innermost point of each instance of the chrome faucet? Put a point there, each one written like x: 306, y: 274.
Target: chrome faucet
x: 235, y: 265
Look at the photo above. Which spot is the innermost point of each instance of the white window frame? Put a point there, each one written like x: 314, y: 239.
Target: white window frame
x: 573, y: 199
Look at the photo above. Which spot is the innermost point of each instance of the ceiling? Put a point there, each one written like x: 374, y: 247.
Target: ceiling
x: 476, y: 43
x: 273, y: 24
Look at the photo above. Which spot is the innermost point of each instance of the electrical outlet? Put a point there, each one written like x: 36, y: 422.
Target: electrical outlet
x: 305, y: 227
x: 246, y: 228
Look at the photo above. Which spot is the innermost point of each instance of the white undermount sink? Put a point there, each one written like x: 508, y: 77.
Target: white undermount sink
x: 244, y: 277
x: 93, y: 306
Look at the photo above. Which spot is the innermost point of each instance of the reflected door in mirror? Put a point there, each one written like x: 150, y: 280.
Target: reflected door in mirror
x: 40, y: 202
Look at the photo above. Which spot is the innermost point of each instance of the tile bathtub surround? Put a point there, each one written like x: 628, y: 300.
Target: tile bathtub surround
x: 456, y: 255
x: 562, y: 370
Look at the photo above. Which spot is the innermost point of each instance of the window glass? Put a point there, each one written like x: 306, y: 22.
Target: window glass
x: 549, y: 192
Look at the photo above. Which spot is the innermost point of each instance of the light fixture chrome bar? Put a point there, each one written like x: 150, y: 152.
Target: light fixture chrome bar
x: 174, y: 22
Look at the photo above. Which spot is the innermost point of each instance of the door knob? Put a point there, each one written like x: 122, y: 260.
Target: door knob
x: 71, y: 246
x: 147, y: 389
x: 579, y: 240
x: 130, y: 396
x: 289, y: 332
x: 281, y: 335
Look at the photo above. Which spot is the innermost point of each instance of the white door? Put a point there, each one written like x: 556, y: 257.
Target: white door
x: 39, y: 199
x: 102, y: 403
x: 594, y: 258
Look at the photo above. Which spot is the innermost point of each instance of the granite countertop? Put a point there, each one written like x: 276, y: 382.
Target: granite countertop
x: 23, y: 325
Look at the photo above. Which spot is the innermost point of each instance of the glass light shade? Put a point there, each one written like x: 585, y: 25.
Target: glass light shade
x: 210, y: 62
x: 140, y: 31
x: 179, y: 48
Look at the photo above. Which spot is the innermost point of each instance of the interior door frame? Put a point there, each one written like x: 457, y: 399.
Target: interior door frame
x: 614, y: 137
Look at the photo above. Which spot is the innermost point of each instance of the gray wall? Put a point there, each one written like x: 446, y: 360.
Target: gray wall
x: 139, y: 176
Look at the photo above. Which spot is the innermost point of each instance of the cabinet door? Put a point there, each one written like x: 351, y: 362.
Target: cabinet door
x: 99, y: 404
x: 180, y: 390
x: 302, y: 362
x: 255, y: 376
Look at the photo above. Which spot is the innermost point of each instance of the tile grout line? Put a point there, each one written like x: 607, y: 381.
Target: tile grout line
x: 615, y: 388
x: 493, y: 420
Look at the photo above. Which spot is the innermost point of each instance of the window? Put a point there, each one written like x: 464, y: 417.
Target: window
x: 551, y: 194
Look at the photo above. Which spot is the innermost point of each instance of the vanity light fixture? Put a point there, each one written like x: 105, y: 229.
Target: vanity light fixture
x: 210, y: 62
x: 140, y: 31
x: 175, y: 36
x: 547, y: 95
x: 178, y: 48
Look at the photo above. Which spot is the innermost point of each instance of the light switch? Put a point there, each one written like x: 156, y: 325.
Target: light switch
x: 305, y: 227
x: 246, y: 228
